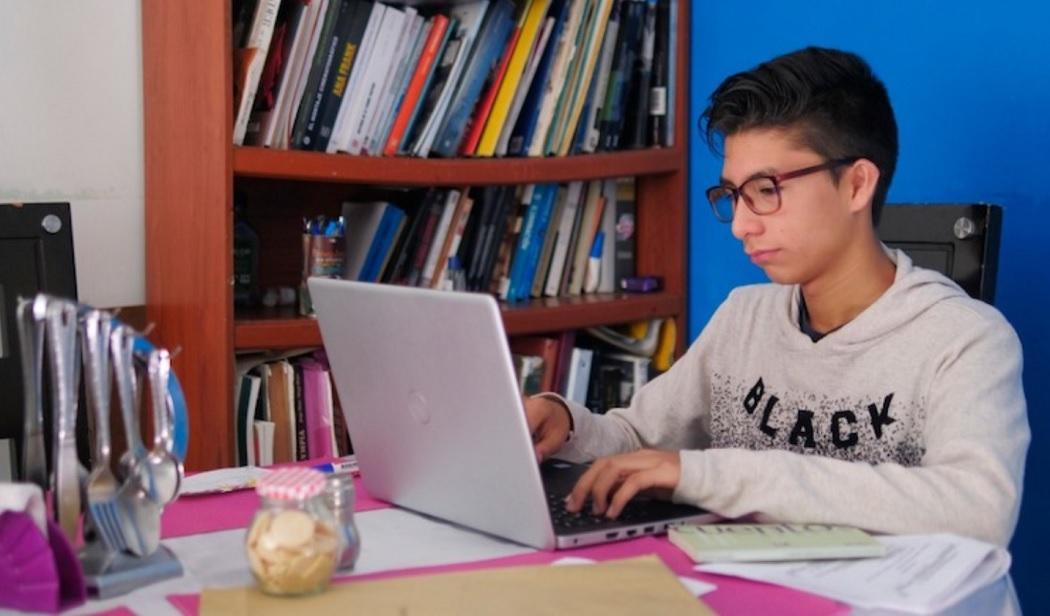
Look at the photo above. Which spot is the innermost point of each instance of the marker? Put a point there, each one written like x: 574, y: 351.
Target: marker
x: 594, y: 264
x: 345, y: 465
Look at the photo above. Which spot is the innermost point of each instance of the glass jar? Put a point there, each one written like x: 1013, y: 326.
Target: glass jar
x: 339, y: 495
x: 293, y: 543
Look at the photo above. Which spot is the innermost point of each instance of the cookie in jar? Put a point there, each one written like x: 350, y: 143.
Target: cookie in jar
x: 293, y: 543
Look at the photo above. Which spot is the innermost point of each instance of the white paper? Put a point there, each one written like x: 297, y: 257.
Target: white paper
x: 699, y: 588
x: 222, y: 480
x: 573, y: 560
x: 920, y: 573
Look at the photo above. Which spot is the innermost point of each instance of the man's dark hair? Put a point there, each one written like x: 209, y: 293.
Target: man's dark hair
x: 831, y: 98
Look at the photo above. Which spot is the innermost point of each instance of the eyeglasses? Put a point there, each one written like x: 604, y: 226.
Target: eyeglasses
x: 761, y: 193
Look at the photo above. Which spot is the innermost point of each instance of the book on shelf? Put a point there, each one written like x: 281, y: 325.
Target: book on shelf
x: 479, y: 117
x: 637, y: 117
x: 547, y: 349
x: 582, y: 77
x: 672, y: 70
x: 297, y: 74
x: 282, y: 410
x: 660, y: 75
x: 313, y: 89
x: 524, y: 86
x: 529, y: 370
x: 484, y: 57
x: 529, y: 26
x: 441, y: 237
x: 284, y: 31
x: 614, y: 378
x: 478, y: 78
x: 411, y: 98
x: 249, y: 61
x: 550, y: 236
x: 354, y: 15
x: 469, y: 17
x: 287, y: 409
x: 409, y: 49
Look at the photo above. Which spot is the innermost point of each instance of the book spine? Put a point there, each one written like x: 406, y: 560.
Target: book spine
x: 477, y: 123
x: 642, y: 79
x: 413, y: 96
x: 519, y: 52
x: 252, y: 60
x: 314, y: 87
x: 349, y: 30
x: 483, y: 60
x: 658, y: 88
x: 302, y: 452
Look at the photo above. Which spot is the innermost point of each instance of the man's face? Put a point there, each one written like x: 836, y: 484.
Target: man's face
x: 810, y: 232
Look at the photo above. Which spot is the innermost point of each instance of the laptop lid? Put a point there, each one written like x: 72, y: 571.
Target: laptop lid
x: 428, y: 390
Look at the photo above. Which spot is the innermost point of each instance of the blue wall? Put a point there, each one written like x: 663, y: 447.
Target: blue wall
x: 970, y: 83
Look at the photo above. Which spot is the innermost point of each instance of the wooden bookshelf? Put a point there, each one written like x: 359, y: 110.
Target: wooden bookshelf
x: 284, y: 329
x: 192, y: 173
x: 315, y: 166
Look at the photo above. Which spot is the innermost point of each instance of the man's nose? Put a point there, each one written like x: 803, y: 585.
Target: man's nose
x: 745, y: 222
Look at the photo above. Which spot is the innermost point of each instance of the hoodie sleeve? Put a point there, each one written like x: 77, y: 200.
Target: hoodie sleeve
x: 661, y: 414
x: 969, y: 481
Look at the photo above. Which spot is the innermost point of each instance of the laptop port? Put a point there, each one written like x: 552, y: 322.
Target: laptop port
x: 648, y: 529
x: 632, y: 532
x: 612, y: 535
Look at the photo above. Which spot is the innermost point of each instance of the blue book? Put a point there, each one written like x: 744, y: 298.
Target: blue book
x: 485, y: 55
x: 539, y: 230
x: 530, y: 109
x: 517, y: 263
x: 381, y: 242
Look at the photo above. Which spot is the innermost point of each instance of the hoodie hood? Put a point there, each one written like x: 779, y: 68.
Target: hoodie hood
x: 914, y: 291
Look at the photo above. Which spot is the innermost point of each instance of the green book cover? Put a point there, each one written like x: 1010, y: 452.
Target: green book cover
x: 773, y: 542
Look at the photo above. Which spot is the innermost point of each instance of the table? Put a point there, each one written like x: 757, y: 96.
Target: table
x: 206, y: 532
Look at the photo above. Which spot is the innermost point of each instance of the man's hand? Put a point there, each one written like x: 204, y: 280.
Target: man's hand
x: 549, y: 424
x: 622, y: 477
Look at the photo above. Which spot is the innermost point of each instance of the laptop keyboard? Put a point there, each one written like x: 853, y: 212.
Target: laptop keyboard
x: 585, y: 520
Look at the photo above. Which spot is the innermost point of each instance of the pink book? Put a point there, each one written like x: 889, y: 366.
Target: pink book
x: 318, y: 409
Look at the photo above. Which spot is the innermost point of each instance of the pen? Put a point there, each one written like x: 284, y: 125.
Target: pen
x: 339, y: 466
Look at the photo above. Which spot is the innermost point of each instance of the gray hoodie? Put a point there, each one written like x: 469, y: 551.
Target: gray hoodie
x: 909, y: 419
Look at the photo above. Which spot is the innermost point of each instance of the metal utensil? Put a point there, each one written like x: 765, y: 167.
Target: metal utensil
x: 141, y: 519
x: 103, y: 506
x: 165, y: 469
x: 62, y: 344
x: 32, y: 314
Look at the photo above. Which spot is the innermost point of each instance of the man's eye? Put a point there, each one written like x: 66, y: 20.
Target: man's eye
x: 767, y: 191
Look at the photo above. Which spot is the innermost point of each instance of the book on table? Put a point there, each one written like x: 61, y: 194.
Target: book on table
x: 773, y: 542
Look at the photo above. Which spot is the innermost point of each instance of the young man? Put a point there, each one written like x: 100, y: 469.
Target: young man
x: 855, y: 389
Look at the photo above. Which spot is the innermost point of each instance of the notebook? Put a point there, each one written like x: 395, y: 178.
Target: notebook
x: 432, y: 405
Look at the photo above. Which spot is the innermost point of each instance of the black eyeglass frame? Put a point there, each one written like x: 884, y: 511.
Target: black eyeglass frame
x: 716, y: 193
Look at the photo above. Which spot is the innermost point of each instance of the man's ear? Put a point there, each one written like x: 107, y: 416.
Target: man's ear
x: 860, y: 180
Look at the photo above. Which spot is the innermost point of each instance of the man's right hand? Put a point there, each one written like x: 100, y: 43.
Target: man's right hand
x: 549, y: 423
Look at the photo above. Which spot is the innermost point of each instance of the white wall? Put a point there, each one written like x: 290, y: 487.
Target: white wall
x: 71, y: 130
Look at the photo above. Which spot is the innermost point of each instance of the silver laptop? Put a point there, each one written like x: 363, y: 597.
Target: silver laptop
x: 427, y: 385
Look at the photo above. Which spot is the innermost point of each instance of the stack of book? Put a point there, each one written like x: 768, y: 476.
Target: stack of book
x: 478, y: 78
x: 517, y: 242
x: 287, y: 410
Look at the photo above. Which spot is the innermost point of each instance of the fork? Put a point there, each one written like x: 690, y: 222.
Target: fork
x: 103, y: 505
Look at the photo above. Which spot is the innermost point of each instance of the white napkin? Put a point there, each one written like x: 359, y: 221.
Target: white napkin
x: 25, y: 497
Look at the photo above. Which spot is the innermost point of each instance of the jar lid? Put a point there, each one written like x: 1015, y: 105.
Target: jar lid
x: 291, y: 484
